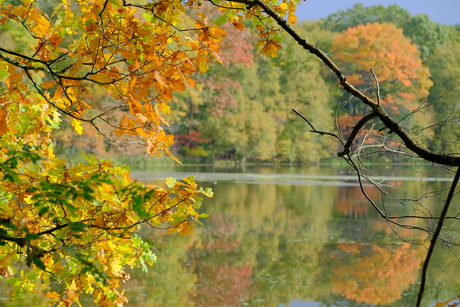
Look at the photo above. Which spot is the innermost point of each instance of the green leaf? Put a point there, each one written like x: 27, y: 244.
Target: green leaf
x: 208, y: 192
x: 138, y: 206
x: 32, y: 236
x: 43, y: 211
x: 221, y: 20
x: 148, y: 17
x: 137, y: 240
x: 3, y: 71
x: 39, y: 263
x: 3, y: 232
x: 171, y: 182
x: 90, y: 158
x: 78, y: 226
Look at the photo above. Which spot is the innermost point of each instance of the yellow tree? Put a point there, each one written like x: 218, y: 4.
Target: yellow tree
x: 75, y: 224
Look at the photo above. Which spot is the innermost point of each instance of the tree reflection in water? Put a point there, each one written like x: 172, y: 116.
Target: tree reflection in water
x: 269, y: 244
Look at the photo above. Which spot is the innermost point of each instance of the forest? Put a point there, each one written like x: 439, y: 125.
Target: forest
x: 87, y: 84
x: 239, y: 109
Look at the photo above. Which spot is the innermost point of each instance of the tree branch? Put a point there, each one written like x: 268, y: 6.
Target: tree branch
x: 314, y: 129
x: 354, y: 133
x: 435, y: 237
x: 421, y: 151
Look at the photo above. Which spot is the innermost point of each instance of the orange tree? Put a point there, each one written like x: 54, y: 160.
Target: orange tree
x: 404, y: 81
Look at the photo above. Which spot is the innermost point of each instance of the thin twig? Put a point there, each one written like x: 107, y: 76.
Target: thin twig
x: 313, y: 129
x: 354, y: 133
x: 377, y: 85
x: 435, y: 237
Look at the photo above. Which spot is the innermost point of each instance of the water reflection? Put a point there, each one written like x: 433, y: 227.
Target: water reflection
x: 273, y: 242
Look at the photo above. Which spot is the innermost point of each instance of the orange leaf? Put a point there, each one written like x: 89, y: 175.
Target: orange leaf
x: 3, y: 121
x: 48, y: 84
x: 52, y: 294
x: 292, y: 19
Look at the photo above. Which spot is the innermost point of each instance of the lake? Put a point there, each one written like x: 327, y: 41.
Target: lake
x: 301, y: 237
x: 297, y: 236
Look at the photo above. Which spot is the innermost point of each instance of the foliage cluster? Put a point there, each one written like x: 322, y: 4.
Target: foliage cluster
x: 76, y: 224
x: 239, y: 110
x: 112, y: 67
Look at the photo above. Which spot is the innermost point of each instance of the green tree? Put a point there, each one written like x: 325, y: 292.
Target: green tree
x: 445, y: 69
x: 242, y: 111
x: 308, y: 93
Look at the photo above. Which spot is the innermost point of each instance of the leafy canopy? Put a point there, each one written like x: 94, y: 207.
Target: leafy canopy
x: 75, y: 224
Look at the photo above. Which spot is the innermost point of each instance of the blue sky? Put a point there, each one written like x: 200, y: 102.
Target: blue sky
x: 442, y: 11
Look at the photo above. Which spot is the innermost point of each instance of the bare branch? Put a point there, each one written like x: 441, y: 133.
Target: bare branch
x: 436, y: 236
x: 355, y: 132
x: 313, y: 128
x: 377, y: 85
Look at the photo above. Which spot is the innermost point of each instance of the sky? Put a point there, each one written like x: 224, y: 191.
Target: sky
x: 443, y: 11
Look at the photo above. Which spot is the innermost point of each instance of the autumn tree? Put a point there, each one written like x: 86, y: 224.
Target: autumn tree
x: 403, y: 80
x: 75, y: 223
x: 420, y: 29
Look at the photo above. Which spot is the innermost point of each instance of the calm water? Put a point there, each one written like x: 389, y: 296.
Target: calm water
x: 298, y: 237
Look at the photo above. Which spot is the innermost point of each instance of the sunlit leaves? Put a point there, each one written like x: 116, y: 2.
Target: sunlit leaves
x: 77, y: 126
x: 109, y: 46
x: 111, y: 68
x: 77, y: 221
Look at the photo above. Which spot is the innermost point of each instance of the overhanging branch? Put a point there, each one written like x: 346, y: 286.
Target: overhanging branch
x: 392, y: 125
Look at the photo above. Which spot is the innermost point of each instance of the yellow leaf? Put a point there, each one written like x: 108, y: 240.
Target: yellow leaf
x: 77, y: 126
x: 270, y: 48
x: 292, y: 19
x: 443, y: 304
x: 283, y: 6
x: 158, y: 78
x: 141, y: 132
x: 170, y: 182
x: 127, y: 177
